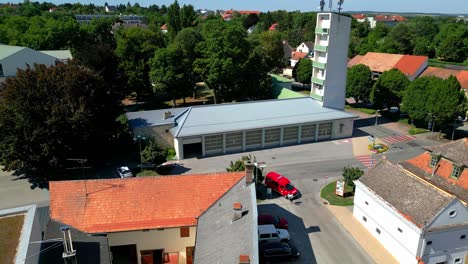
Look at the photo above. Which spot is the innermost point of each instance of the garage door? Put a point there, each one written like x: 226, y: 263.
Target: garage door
x: 272, y: 137
x: 324, y: 131
x: 234, y: 141
x: 253, y: 139
x: 290, y: 135
x: 213, y: 144
x: 307, y: 133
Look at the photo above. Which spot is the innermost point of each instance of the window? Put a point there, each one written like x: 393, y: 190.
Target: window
x: 264, y: 236
x: 185, y: 232
x: 434, y: 160
x: 377, y: 230
x: 308, y: 132
x: 457, y: 261
x: 213, y: 142
x: 452, y: 213
x: 253, y: 137
x: 272, y: 135
x: 290, y: 133
x: 463, y: 237
x: 400, y: 230
x: 364, y: 219
x: 234, y: 140
x: 456, y: 171
x: 428, y: 243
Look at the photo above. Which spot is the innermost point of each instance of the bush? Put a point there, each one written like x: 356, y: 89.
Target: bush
x: 170, y: 154
x: 351, y: 174
x: 238, y: 165
x: 147, y: 173
x: 415, y: 130
x: 153, y: 153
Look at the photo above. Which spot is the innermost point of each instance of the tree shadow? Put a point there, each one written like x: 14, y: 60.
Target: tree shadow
x: 297, y: 230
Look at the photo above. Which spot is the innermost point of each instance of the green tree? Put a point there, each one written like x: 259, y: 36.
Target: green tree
x: 398, y: 40
x: 304, y: 71
x: 445, y: 101
x: 173, y: 20
x: 135, y: 46
x: 424, y: 47
x: 188, y: 16
x: 239, y: 165
x: 351, y: 174
x: 453, y: 48
x: 388, y: 89
x: 153, y: 153
x: 359, y: 82
x: 272, y: 44
x: 416, y: 96
x: 75, y: 118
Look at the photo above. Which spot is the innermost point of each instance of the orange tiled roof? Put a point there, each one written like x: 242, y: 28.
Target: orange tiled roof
x: 298, y: 55
x: 113, y: 205
x: 355, y: 61
x: 273, y: 26
x: 358, y: 16
x: 164, y: 27
x: 380, y: 62
x: 439, y: 72
x: 444, y: 169
x: 409, y: 64
x: 243, y: 12
x: 462, y: 77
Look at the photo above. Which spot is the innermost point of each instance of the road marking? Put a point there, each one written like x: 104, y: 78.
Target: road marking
x: 366, y: 160
x: 397, y: 138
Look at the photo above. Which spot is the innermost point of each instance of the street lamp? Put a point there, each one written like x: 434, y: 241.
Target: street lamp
x: 139, y: 138
x: 375, y: 127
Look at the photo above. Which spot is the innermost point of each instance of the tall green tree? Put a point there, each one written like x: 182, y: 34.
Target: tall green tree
x: 188, y: 16
x: 272, y: 44
x: 135, y: 46
x: 74, y: 119
x: 359, y: 82
x: 388, y: 89
x: 398, y: 40
x: 173, y: 20
x: 304, y: 71
x: 416, y: 96
x: 445, y: 100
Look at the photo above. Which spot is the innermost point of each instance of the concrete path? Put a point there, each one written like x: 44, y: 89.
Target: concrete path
x: 373, y: 247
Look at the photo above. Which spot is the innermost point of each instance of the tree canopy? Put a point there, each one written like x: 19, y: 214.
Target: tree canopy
x: 359, y: 82
x: 304, y: 71
x: 388, y: 89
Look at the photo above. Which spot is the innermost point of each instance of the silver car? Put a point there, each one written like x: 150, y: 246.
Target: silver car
x: 124, y: 172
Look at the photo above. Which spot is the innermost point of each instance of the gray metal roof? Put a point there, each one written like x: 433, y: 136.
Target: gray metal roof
x: 59, y: 54
x: 414, y: 199
x: 210, y: 119
x: 7, y: 50
x: 153, y: 117
x: 220, y: 240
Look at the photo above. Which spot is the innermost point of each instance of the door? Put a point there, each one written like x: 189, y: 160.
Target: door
x: 126, y: 254
x: 151, y: 256
x: 190, y: 252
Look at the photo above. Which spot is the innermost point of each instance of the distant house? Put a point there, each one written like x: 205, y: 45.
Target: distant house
x: 229, y: 13
x: 162, y: 219
x: 13, y: 58
x: 416, y: 221
x: 410, y: 65
x: 52, y: 9
x: 273, y: 27
x: 362, y: 18
x: 461, y: 75
x: 164, y: 28
x: 390, y: 20
x: 110, y: 9
x: 307, y: 47
x: 304, y: 50
x: 296, y: 56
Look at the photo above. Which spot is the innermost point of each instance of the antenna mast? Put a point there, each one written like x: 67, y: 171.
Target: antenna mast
x: 322, y: 5
x: 340, y: 3
x: 330, y: 4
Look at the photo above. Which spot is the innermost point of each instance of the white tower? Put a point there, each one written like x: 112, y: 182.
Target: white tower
x: 330, y: 58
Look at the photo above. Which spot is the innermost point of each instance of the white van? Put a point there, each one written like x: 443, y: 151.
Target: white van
x: 269, y: 233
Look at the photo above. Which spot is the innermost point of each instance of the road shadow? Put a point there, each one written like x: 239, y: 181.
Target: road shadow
x: 297, y: 230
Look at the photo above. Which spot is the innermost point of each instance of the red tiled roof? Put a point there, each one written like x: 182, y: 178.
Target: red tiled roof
x: 273, y: 27
x: 462, y: 77
x: 380, y: 62
x: 243, y: 12
x: 355, y: 61
x: 298, y: 55
x: 383, y: 18
x: 164, y: 27
x: 439, y: 72
x: 113, y: 205
x: 444, y: 169
x: 410, y: 64
x: 358, y: 16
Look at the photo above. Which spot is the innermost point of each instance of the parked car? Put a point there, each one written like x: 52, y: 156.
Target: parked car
x: 278, y: 251
x: 269, y: 233
x: 124, y: 172
x: 278, y: 222
x: 281, y: 184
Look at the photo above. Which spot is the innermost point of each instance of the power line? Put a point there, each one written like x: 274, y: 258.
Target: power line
x: 57, y: 244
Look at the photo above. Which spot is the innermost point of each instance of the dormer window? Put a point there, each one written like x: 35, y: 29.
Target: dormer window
x: 434, y: 160
x: 456, y: 171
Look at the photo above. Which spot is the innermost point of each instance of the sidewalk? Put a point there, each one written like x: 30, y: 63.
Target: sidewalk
x: 375, y: 250
x: 360, y: 145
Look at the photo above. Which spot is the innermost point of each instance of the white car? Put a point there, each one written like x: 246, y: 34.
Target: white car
x: 124, y: 172
x: 269, y: 233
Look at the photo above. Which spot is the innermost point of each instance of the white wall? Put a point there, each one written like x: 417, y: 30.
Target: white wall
x: 23, y: 57
x: 446, y: 245
x: 167, y: 239
x: 342, y: 128
x: 179, y: 148
x: 402, y: 245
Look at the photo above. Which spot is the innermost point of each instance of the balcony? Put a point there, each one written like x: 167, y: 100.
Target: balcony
x: 316, y: 96
x: 320, y: 48
x: 319, y: 65
x: 321, y: 31
x: 318, y: 81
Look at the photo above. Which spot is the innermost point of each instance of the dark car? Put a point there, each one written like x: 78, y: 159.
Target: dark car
x: 278, y: 222
x: 277, y: 251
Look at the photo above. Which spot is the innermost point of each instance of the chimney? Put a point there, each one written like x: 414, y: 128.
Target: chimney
x: 249, y: 172
x: 237, y: 211
x: 244, y: 259
x: 69, y: 254
x: 167, y: 115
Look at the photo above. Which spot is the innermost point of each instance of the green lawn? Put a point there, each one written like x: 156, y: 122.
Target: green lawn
x: 368, y: 111
x: 328, y: 193
x: 415, y: 130
x: 438, y: 63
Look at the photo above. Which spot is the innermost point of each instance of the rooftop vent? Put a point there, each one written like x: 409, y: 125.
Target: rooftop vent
x: 237, y: 211
x: 167, y: 115
x: 244, y: 259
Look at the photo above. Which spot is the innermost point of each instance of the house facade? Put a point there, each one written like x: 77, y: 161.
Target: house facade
x: 415, y: 221
x: 328, y: 85
x: 150, y: 219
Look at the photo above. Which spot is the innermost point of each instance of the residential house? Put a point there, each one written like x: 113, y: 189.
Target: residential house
x: 361, y: 18
x: 390, y: 20
x: 164, y: 28
x: 273, y: 27
x: 109, y: 8
x: 20, y: 226
x: 230, y: 13
x: 13, y: 58
x: 417, y: 222
x: 155, y: 219
x: 296, y: 56
x: 307, y: 47
x: 444, y: 166
x: 410, y: 65
x: 206, y: 130
x: 461, y: 75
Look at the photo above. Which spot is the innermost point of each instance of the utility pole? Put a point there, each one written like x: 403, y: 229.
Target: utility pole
x: 139, y: 137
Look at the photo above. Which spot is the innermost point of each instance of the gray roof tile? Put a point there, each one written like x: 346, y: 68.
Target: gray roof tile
x: 456, y: 151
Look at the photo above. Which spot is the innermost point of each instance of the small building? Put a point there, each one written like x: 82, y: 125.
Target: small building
x: 200, y: 131
x: 414, y: 220
x: 307, y: 47
x: 390, y: 20
x: 164, y: 28
x: 160, y: 219
x: 410, y: 65
x: 296, y: 56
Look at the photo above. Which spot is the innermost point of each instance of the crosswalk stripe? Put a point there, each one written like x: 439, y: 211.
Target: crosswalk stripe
x: 397, y: 138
